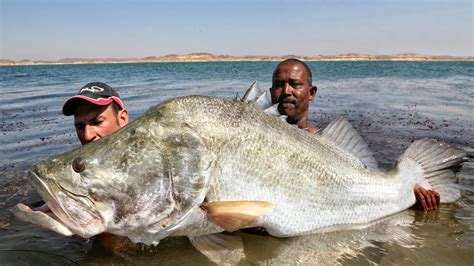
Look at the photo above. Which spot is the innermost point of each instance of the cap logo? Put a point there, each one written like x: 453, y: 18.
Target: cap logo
x: 92, y: 89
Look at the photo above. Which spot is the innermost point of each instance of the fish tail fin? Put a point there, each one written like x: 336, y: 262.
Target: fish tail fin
x: 434, y: 164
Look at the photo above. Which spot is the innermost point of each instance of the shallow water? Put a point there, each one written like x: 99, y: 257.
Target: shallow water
x: 389, y: 103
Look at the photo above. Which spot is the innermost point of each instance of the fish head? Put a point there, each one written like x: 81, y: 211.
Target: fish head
x: 64, y: 183
x: 143, y: 179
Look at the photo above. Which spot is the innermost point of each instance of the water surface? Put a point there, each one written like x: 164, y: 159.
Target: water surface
x: 389, y: 103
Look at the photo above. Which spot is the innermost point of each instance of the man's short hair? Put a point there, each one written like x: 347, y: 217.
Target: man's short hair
x: 297, y: 61
x: 115, y: 107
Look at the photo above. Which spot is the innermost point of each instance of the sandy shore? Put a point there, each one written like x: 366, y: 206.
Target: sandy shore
x: 207, y: 57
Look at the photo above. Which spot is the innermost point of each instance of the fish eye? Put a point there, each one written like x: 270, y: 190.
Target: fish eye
x: 78, y: 165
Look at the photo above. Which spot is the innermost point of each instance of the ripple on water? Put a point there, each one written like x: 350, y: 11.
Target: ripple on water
x: 389, y: 103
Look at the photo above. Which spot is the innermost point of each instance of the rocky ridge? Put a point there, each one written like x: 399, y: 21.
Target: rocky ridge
x: 208, y: 57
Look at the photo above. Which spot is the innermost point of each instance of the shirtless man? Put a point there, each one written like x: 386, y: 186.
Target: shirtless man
x: 293, y: 89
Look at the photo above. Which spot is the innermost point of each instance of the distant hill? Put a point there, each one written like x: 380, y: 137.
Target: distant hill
x: 207, y: 57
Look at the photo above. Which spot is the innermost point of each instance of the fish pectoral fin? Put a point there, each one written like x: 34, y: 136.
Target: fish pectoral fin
x: 220, y: 248
x: 233, y: 215
x: 26, y: 214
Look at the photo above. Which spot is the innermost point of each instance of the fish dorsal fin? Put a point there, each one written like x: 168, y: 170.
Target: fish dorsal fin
x: 341, y: 133
x: 252, y: 92
x: 261, y: 98
x: 264, y: 101
x: 219, y: 248
x: 233, y: 215
x: 237, y: 98
x: 273, y: 111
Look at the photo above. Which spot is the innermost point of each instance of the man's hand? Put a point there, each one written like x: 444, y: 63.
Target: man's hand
x: 426, y: 200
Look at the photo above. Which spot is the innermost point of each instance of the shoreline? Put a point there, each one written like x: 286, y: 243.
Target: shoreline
x: 207, y: 57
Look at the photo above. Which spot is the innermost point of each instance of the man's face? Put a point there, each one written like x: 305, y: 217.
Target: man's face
x: 290, y: 88
x: 93, y: 122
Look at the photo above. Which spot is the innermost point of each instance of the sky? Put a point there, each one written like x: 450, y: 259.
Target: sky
x: 56, y: 29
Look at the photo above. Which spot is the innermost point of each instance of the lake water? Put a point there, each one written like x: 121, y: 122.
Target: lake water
x: 389, y: 103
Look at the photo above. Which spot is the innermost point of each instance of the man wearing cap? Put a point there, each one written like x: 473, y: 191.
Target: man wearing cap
x: 98, y: 111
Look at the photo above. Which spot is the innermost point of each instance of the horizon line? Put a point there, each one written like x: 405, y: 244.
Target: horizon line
x: 205, y: 56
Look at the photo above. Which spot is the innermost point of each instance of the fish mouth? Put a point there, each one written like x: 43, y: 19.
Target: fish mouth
x: 75, y: 212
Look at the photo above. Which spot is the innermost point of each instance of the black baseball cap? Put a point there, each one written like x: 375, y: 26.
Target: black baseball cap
x: 97, y: 93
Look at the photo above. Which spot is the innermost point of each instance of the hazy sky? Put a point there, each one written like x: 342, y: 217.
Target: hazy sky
x: 55, y: 29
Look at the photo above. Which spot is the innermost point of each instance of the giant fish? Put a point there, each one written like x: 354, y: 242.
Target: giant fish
x: 196, y: 166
